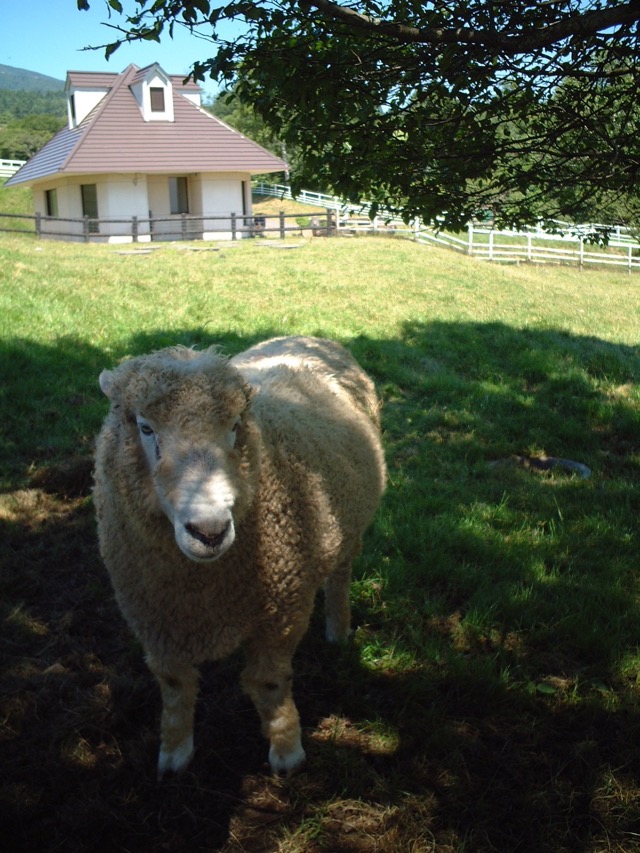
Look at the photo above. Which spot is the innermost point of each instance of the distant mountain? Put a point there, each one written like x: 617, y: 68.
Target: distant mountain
x: 28, y: 81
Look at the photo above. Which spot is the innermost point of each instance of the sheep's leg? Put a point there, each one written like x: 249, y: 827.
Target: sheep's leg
x: 179, y: 688
x: 337, y: 606
x: 267, y: 679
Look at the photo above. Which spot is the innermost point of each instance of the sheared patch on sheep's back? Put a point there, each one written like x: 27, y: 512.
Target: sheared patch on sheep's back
x: 319, y: 357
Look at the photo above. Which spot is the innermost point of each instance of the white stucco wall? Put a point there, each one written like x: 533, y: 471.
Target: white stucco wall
x: 120, y: 197
x: 69, y: 208
x: 214, y: 195
x: 84, y: 101
x: 223, y: 195
x: 212, y: 200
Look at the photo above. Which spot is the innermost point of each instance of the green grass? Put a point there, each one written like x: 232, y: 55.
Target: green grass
x: 489, y: 698
x: 16, y: 203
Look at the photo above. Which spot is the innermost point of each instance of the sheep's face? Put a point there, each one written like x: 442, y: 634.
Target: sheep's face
x: 194, y: 483
x: 190, y: 429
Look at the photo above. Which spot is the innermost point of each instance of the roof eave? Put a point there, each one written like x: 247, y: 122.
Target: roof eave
x: 15, y: 179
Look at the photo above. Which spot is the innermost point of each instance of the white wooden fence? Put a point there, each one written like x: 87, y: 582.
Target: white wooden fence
x: 305, y: 196
x: 566, y: 244
x: 10, y: 167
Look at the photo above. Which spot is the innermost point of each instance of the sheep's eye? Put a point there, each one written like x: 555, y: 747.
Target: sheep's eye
x: 147, y: 432
x: 144, y: 428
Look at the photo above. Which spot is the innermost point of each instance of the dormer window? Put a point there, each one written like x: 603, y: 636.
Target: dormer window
x: 153, y: 91
x: 156, y: 99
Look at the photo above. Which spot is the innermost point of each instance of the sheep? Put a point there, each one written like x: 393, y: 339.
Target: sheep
x: 227, y: 492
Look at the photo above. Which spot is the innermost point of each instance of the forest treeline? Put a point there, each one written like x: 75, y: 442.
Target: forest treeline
x: 28, y: 120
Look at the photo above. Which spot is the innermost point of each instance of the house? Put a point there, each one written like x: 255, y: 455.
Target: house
x: 140, y: 159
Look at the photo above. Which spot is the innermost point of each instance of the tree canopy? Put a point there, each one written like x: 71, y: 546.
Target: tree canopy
x: 444, y: 108
x: 228, y: 107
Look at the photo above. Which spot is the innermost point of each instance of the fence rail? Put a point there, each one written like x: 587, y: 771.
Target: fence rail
x: 283, y: 191
x: 10, y: 167
x: 536, y: 245
x: 136, y: 229
x: 567, y: 243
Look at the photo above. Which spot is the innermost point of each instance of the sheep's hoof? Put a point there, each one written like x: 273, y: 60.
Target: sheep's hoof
x: 176, y: 760
x: 286, y: 763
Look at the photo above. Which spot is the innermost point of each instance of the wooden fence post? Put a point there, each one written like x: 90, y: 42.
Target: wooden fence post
x: 234, y: 226
x: 134, y: 229
x: 85, y: 228
x: 183, y: 226
x: 38, y: 225
x: 282, y: 230
x: 329, y: 221
x: 470, y: 243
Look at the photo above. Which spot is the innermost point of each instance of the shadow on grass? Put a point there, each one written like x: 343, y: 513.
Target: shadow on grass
x: 552, y: 555
x: 483, y: 703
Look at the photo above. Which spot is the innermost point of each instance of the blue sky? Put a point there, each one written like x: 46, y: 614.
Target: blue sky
x: 47, y: 36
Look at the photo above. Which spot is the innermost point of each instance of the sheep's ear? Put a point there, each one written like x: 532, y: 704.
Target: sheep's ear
x: 107, y: 382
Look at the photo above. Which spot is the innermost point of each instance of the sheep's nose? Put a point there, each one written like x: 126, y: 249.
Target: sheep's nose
x: 211, y: 538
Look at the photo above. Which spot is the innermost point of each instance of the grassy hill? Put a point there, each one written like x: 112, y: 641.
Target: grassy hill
x: 16, y: 200
x: 489, y: 698
x: 28, y: 81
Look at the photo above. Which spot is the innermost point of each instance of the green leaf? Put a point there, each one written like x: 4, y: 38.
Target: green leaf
x: 111, y: 49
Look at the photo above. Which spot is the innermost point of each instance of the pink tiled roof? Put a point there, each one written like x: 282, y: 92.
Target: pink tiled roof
x: 114, y: 137
x: 91, y: 79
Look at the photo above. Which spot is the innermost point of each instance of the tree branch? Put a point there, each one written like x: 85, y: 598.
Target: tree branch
x: 580, y: 24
